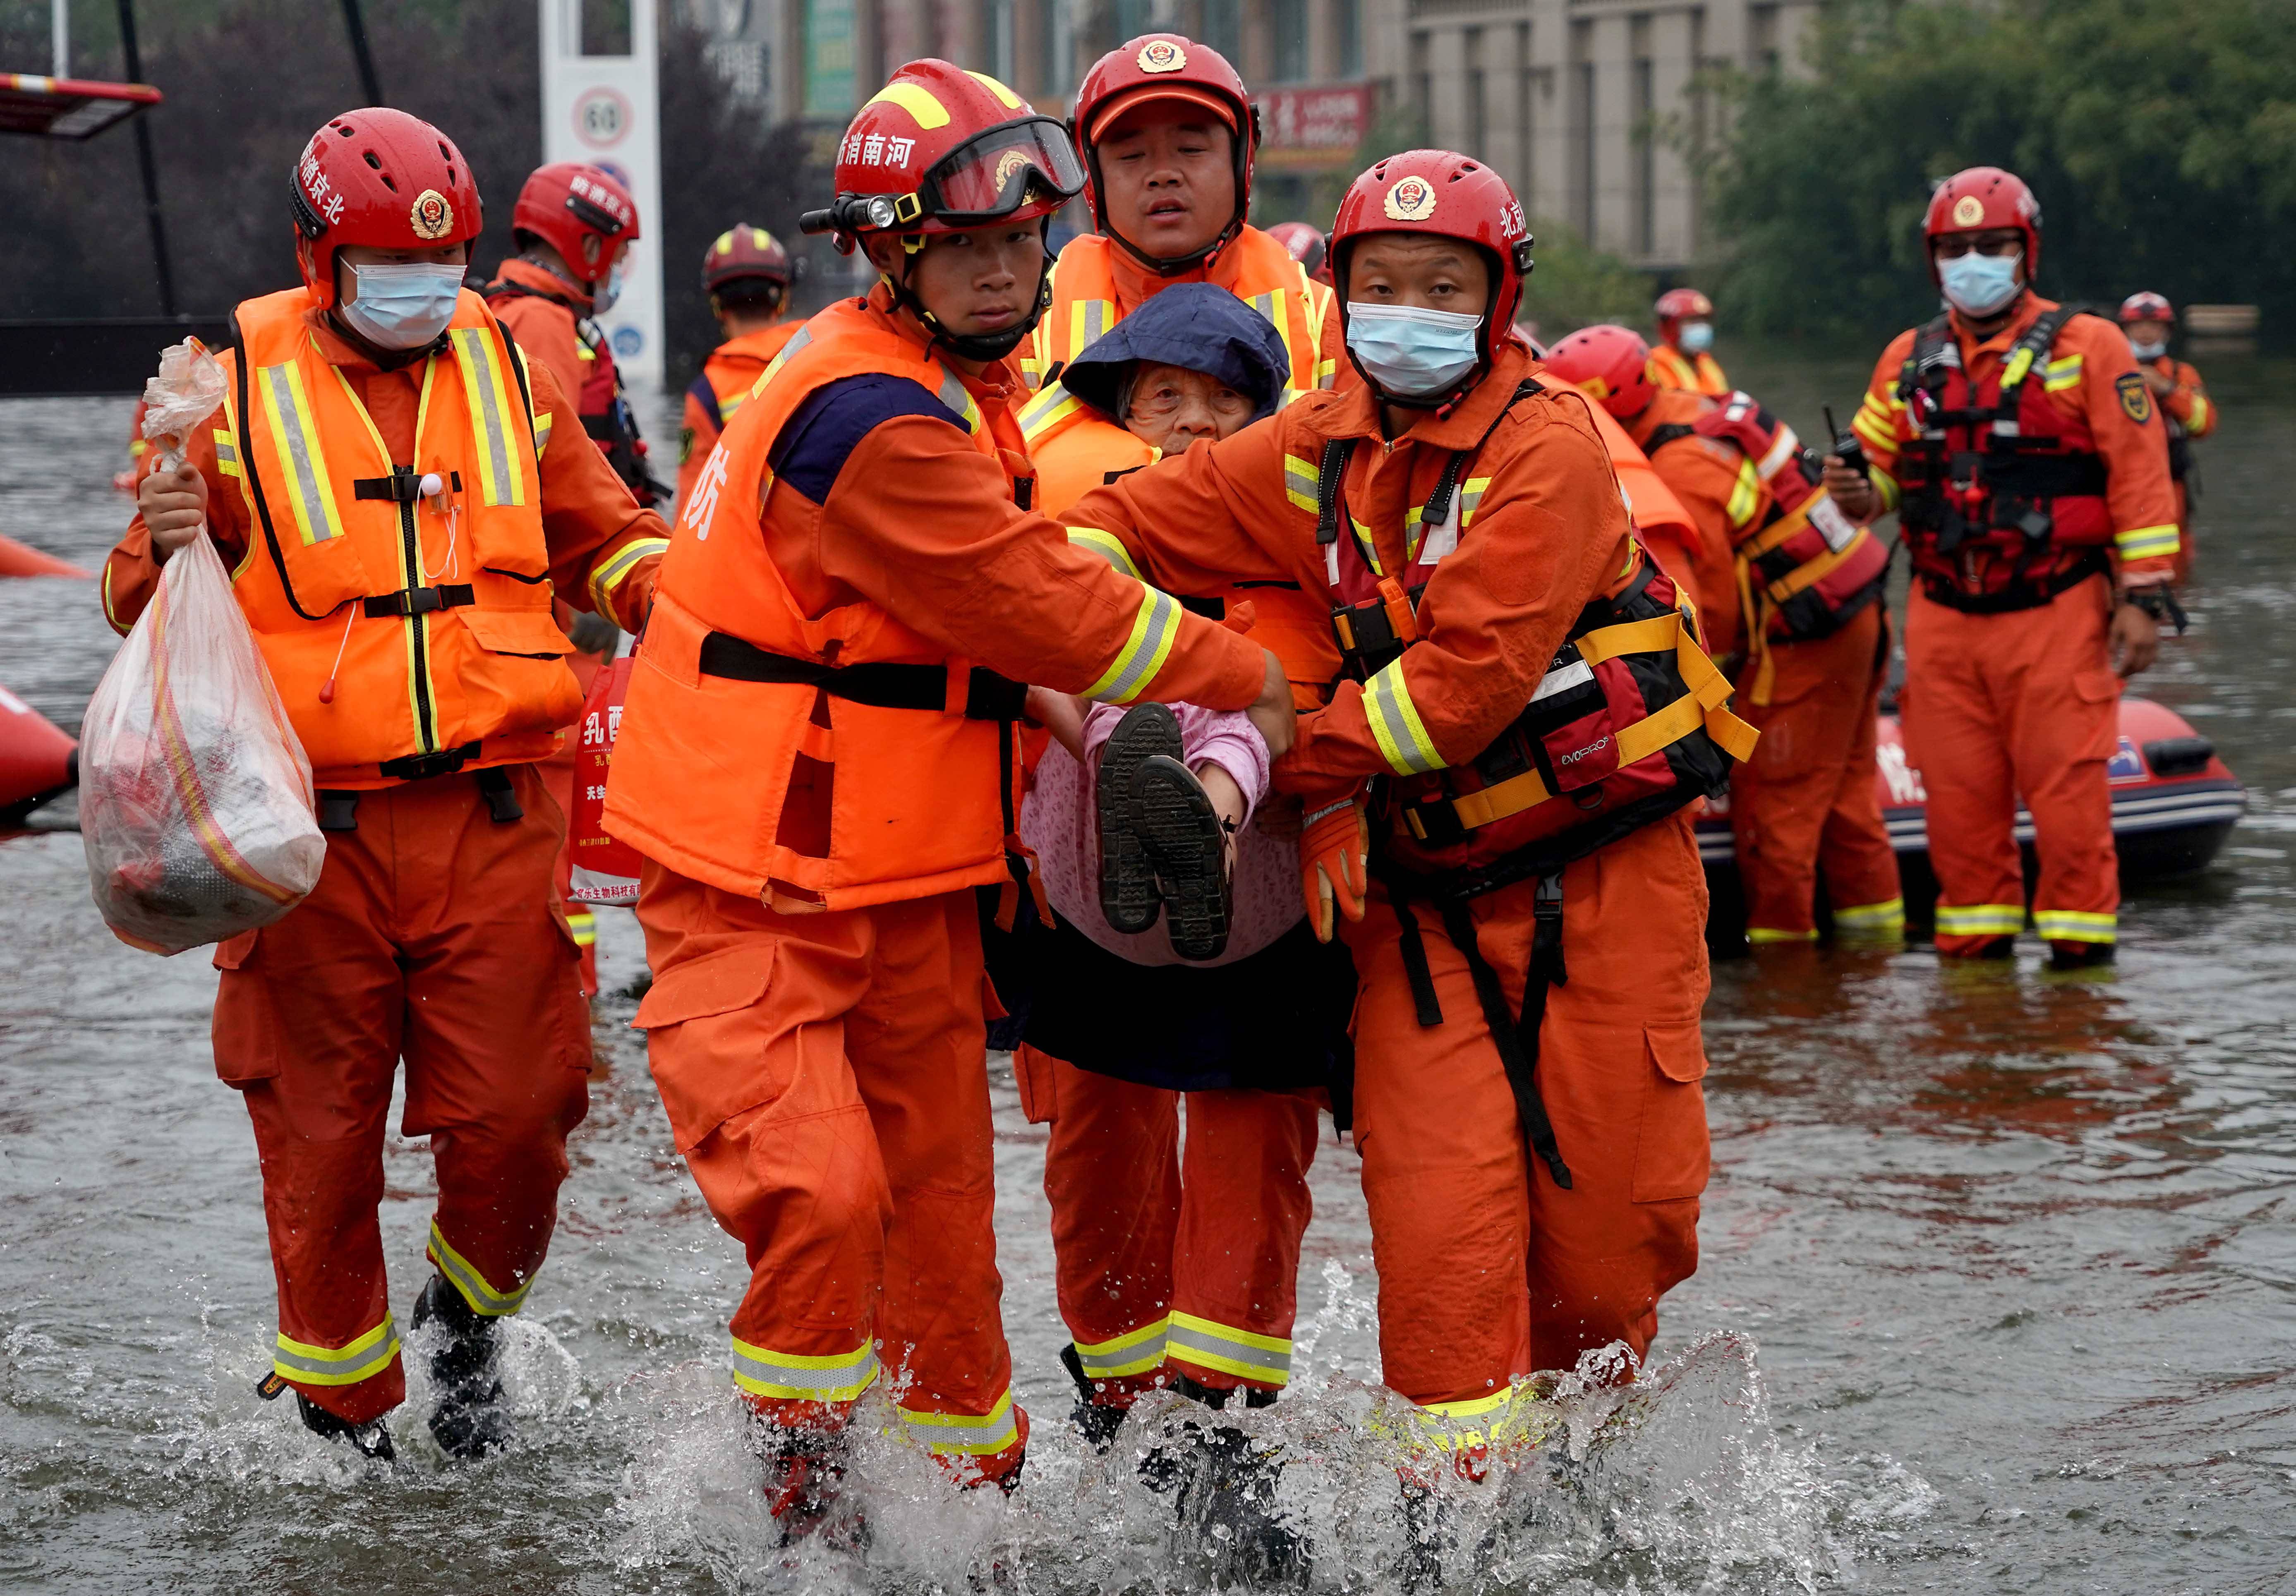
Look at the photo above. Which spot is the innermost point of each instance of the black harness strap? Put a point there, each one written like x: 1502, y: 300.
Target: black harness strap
x: 502, y: 803
x: 987, y: 695
x: 1517, y: 1038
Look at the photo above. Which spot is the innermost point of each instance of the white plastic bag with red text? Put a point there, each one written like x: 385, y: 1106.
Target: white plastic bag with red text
x: 195, y: 795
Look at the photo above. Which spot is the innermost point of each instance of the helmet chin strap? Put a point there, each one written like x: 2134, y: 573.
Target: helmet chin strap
x: 975, y: 346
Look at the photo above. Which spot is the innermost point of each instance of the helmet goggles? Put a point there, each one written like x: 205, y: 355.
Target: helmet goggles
x: 993, y: 175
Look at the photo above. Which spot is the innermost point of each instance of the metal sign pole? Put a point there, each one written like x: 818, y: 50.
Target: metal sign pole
x: 144, y: 160
x: 60, y: 38
x: 604, y: 111
x: 356, y: 26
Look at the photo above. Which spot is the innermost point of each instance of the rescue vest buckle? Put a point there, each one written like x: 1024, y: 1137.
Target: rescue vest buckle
x: 409, y: 601
x: 422, y: 767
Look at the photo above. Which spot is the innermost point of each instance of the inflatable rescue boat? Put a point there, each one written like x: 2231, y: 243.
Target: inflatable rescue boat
x: 36, y: 761
x: 2174, y: 803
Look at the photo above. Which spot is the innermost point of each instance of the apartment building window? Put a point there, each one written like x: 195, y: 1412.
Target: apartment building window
x: 1347, y: 20
x: 1288, y: 22
x: 1762, y: 38
x: 1474, y: 138
x: 1582, y: 138
x: 1525, y: 81
x: 1224, y: 29
x: 1423, y: 85
x: 1645, y: 158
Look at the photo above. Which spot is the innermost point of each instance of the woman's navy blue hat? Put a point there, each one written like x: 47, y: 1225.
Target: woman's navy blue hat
x: 1193, y: 325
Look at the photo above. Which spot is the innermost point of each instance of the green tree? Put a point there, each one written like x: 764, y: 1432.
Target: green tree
x: 2158, y: 136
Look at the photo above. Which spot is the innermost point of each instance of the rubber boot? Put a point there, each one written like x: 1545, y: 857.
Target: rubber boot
x: 1429, y: 1535
x: 369, y: 1440
x: 1095, y: 1421
x: 804, y: 1480
x: 469, y: 1420
x: 1223, y: 1488
x: 2079, y: 956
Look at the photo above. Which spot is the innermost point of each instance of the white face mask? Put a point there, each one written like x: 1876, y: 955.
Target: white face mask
x: 1410, y: 353
x: 402, y: 306
x: 2150, y: 351
x: 603, y: 297
x: 1978, y: 284
x: 1697, y: 337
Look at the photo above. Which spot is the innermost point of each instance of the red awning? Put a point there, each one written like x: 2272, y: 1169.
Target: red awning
x: 68, y: 107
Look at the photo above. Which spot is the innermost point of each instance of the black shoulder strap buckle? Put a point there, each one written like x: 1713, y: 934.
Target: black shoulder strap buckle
x: 502, y: 803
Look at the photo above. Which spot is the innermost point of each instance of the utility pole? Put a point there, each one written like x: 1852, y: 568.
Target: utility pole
x: 60, y: 38
x: 143, y: 159
x: 356, y: 25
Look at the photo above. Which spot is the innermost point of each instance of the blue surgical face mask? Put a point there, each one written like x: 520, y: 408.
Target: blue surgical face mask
x: 1697, y: 337
x: 603, y: 297
x: 2149, y: 351
x: 1410, y: 353
x: 402, y: 306
x: 1978, y: 284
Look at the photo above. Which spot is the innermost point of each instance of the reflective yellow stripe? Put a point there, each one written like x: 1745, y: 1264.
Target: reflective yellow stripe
x: 1108, y: 546
x: 541, y: 433
x: 2146, y: 543
x: 1154, y: 631
x: 1402, y: 736
x: 1980, y: 920
x: 1885, y: 485
x: 727, y: 406
x: 608, y: 576
x: 1247, y: 1355
x: 502, y: 478
x: 773, y: 369
x: 1087, y: 320
x: 466, y: 1279
x: 1470, y: 499
x: 1887, y: 918
x: 362, y: 1359
x: 1299, y: 482
x: 1506, y: 1415
x: 959, y: 398
x: 226, y: 450
x: 2020, y: 363
x: 2075, y: 925
x: 974, y: 1434
x: 1876, y: 430
x: 801, y: 1376
x: 295, y: 434
x: 1745, y: 495
x: 110, y: 614
x: 1136, y: 1352
x: 1762, y: 936
x: 1056, y: 403
x: 1327, y: 373
x: 2196, y: 420
x: 585, y: 927
x: 2061, y: 374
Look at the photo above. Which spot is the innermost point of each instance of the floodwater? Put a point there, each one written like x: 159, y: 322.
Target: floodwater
x: 1998, y: 1290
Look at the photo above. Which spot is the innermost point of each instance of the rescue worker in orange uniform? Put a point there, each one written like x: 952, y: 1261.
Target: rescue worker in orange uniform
x: 2187, y: 411
x: 1791, y: 586
x: 818, y: 760
x: 2017, y: 439
x: 1176, y: 1276
x: 747, y: 274
x: 399, y: 493
x: 1308, y: 247
x: 573, y: 225
x: 1682, y: 356
x: 1168, y: 136
x: 1531, y: 966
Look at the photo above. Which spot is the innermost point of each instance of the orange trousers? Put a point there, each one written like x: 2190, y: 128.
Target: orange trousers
x: 1488, y: 1270
x: 1997, y: 707
x: 431, y: 937
x: 1806, y: 800
x: 826, y: 1078
x: 1172, y: 1260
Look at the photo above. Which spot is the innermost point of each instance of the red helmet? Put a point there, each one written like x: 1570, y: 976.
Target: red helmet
x: 1682, y: 304
x: 1167, y: 65
x: 940, y: 148
x: 580, y: 212
x: 746, y: 254
x: 1981, y: 199
x: 379, y: 177
x: 1305, y: 244
x: 2147, y: 306
x: 1611, y: 364
x: 1447, y: 195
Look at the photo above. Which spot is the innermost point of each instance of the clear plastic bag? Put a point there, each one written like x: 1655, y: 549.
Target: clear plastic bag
x: 195, y: 794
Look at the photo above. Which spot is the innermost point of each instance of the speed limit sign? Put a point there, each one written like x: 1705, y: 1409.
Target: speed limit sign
x: 601, y: 118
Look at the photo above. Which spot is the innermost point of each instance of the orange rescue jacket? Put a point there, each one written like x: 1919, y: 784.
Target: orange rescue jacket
x: 728, y: 375
x: 430, y: 614
x: 1669, y: 368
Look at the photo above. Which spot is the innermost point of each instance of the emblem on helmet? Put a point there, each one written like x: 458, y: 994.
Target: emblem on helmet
x: 1009, y: 163
x: 1413, y: 200
x: 1161, y: 55
x: 431, y: 217
x: 1968, y: 211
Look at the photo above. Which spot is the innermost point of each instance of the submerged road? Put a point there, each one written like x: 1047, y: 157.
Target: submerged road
x: 1998, y: 1290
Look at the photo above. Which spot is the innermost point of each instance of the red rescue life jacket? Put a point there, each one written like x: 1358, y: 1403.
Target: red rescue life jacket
x: 2004, y: 503
x: 1628, y: 726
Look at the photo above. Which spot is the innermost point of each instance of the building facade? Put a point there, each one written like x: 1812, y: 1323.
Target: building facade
x: 1586, y: 106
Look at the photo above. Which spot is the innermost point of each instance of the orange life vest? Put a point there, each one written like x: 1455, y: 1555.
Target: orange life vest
x: 1628, y: 724
x: 738, y: 695
x: 1701, y: 374
x: 1085, y: 306
x: 733, y: 368
x: 430, y: 614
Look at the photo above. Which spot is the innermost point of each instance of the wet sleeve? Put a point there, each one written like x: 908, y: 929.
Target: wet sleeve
x: 1549, y: 535
x: 130, y: 574
x: 1881, y: 424
x: 2140, y: 494
x: 604, y: 548
x: 917, y: 519
x: 1218, y: 514
x: 2190, y: 406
